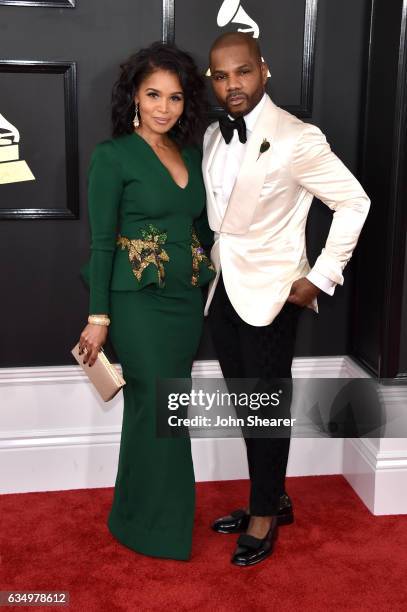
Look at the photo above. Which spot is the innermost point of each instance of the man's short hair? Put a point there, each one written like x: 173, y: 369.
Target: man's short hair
x: 237, y: 38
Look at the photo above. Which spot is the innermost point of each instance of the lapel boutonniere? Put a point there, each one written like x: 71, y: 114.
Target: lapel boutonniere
x: 265, y: 145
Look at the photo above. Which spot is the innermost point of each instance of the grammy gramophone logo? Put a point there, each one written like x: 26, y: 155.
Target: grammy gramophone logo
x: 12, y: 168
x: 232, y: 11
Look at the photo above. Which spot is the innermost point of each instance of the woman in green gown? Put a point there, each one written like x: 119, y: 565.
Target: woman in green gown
x: 147, y: 215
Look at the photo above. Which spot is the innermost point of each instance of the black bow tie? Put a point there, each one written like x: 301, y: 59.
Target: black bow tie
x: 228, y: 125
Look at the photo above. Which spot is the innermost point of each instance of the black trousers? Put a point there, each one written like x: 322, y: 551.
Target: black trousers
x: 246, y: 351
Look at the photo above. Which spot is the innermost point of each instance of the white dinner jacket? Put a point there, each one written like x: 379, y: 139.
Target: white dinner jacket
x: 260, y: 239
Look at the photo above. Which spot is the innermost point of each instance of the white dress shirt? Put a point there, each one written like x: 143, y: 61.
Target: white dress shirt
x: 223, y: 173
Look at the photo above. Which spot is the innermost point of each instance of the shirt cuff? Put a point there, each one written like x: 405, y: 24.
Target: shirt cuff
x: 322, y: 282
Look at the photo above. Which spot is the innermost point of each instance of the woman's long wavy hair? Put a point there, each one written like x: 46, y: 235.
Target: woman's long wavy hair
x: 160, y: 56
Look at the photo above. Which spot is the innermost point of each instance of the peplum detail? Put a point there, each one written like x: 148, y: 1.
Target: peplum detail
x: 201, y: 264
x: 145, y: 253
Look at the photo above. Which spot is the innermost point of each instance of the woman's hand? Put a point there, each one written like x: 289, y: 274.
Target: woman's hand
x: 93, y: 337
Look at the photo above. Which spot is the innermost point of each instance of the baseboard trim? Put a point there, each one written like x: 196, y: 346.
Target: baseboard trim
x: 311, y: 367
x: 378, y: 476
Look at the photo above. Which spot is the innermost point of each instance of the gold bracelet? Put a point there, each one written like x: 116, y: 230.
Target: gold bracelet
x: 99, y: 320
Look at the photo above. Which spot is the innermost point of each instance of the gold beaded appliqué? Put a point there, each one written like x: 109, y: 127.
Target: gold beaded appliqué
x: 145, y: 251
x: 198, y: 256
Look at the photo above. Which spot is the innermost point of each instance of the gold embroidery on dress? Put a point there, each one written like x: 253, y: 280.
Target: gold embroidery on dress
x: 198, y: 256
x: 145, y: 251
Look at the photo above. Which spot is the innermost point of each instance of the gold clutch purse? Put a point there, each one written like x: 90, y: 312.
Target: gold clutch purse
x: 103, y: 375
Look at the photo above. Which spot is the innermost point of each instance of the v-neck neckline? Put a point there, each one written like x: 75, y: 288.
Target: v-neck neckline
x: 184, y: 157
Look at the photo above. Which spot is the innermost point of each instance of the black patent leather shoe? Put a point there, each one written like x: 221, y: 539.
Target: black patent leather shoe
x: 251, y: 550
x: 238, y: 520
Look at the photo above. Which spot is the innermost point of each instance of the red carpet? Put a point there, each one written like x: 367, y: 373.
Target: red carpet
x: 336, y: 556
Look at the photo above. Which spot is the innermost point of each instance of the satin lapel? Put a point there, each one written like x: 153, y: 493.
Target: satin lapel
x: 250, y: 180
x: 208, y: 154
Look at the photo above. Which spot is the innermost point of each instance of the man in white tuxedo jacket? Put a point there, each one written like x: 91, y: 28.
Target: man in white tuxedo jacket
x: 262, y: 167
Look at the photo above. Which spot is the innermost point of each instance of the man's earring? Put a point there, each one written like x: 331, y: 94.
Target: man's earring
x: 136, y: 120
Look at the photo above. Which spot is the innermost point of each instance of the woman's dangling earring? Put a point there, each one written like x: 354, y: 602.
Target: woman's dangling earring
x: 136, y: 120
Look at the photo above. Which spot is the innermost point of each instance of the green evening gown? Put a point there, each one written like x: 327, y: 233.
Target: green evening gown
x: 145, y: 270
